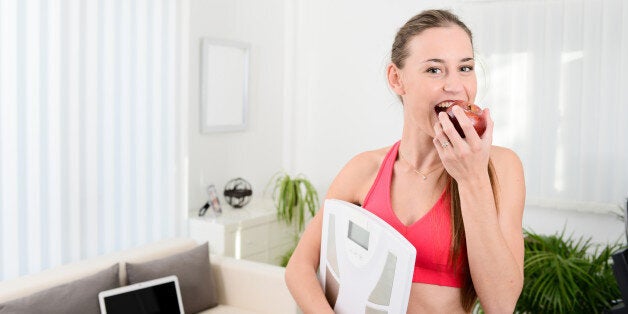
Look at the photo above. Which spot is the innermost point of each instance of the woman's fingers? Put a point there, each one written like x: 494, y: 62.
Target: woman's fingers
x: 449, y: 130
x: 440, y: 137
x: 460, y: 156
x: 488, y: 134
x: 466, y: 124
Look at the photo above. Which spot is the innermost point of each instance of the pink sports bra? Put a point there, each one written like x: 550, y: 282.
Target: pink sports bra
x: 430, y: 235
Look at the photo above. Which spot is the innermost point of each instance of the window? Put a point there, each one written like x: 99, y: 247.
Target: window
x: 88, y: 129
x: 557, y: 91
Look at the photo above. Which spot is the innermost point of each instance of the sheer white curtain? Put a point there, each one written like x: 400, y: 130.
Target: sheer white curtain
x: 88, y: 128
x: 557, y: 84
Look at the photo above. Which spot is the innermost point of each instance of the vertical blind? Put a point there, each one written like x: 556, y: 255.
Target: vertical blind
x: 558, y: 91
x: 88, y: 129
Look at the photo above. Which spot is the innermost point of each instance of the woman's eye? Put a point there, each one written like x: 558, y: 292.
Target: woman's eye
x: 434, y: 70
x: 466, y: 68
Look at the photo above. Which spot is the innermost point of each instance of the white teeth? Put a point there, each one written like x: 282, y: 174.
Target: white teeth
x: 445, y: 104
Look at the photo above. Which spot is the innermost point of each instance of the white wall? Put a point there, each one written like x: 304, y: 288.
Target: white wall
x: 254, y: 154
x: 604, y: 228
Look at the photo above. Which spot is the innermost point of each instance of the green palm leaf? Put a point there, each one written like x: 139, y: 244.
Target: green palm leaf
x: 566, y: 275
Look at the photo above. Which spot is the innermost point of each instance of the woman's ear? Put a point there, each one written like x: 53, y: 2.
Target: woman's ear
x: 394, y: 79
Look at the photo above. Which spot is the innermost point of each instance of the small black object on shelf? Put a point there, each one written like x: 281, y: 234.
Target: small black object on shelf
x: 203, y: 210
x: 238, y: 192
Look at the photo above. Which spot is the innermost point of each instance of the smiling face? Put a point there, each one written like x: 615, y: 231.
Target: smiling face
x: 439, y: 69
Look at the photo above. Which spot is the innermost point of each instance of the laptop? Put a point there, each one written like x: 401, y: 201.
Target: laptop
x: 155, y: 296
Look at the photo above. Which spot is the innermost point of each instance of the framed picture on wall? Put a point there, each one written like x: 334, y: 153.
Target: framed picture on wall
x: 224, y: 85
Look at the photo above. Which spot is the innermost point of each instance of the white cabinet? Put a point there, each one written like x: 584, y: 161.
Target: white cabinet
x: 251, y: 233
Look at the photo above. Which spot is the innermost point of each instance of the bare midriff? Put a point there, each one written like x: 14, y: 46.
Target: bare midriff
x: 426, y: 298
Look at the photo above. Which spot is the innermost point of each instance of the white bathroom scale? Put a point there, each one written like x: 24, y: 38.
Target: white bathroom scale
x: 366, y: 266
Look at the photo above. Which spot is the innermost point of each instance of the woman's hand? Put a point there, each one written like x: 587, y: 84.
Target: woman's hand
x: 463, y: 158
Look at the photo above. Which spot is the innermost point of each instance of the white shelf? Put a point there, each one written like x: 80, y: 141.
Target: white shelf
x: 252, y: 232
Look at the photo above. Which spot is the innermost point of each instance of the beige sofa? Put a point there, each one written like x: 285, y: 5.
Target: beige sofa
x: 242, y: 286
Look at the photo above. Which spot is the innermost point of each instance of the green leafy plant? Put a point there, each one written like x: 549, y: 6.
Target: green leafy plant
x: 566, y: 275
x: 294, y: 197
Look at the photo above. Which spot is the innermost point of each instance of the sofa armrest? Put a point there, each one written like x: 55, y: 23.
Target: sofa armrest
x: 251, y: 285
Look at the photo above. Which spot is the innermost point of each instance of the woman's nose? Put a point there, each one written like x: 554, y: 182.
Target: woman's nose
x: 453, y: 84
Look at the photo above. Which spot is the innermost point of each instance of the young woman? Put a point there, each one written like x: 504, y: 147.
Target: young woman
x: 458, y: 200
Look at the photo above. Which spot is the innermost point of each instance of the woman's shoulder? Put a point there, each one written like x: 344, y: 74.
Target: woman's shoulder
x: 509, y: 170
x: 369, y: 160
x: 356, y: 177
x: 505, y: 158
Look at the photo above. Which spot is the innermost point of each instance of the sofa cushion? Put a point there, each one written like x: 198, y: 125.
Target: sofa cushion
x: 79, y: 296
x: 193, y: 270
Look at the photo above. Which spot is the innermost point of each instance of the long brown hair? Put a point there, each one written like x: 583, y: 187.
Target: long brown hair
x: 415, y: 26
x: 468, y: 295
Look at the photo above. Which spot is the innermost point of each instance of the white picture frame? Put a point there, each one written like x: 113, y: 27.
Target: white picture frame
x: 224, y: 85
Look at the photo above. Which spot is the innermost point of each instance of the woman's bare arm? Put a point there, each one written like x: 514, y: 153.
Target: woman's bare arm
x: 349, y: 185
x: 494, y: 239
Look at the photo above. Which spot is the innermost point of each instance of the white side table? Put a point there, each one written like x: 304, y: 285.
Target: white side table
x: 251, y: 233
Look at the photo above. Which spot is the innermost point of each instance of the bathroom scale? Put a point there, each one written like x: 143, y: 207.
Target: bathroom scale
x: 366, y: 266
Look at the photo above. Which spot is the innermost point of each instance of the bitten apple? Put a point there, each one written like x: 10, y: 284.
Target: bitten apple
x: 473, y: 112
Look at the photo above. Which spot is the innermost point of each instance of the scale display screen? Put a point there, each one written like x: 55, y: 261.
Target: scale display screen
x: 358, y: 235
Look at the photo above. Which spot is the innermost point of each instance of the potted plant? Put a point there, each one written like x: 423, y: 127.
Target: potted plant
x: 294, y: 197
x: 566, y: 275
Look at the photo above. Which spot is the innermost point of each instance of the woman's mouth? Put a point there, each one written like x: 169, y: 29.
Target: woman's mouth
x: 441, y: 107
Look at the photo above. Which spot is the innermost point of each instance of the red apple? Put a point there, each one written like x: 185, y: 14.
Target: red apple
x: 473, y: 112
